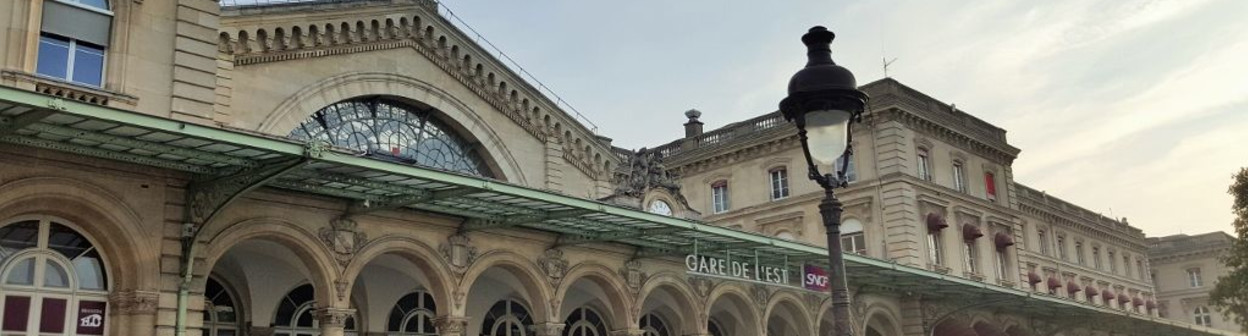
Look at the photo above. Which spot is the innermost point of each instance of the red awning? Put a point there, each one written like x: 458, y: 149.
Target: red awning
x: 1003, y: 240
x: 1151, y: 304
x: 1091, y: 291
x: 936, y: 222
x: 971, y: 232
x: 1107, y: 295
x: 1054, y: 283
x: 1033, y: 278
x: 1072, y: 288
x: 1136, y: 301
x: 1123, y: 299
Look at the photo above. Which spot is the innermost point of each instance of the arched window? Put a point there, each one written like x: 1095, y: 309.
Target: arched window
x: 220, y: 312
x: 54, y: 280
x: 507, y: 318
x: 584, y: 322
x: 653, y: 325
x: 413, y: 315
x: 1202, y: 316
x: 392, y: 130
x: 296, y: 314
x: 713, y: 328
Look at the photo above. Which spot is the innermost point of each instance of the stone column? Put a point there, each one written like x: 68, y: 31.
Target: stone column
x: 548, y: 329
x: 137, y: 310
x: 332, y: 320
x: 451, y: 325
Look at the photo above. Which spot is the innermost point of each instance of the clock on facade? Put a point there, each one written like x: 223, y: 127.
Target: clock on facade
x: 660, y: 207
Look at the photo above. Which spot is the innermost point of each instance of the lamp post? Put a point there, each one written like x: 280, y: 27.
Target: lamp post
x: 823, y: 99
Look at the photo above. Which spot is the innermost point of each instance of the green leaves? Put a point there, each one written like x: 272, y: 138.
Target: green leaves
x: 1231, y: 293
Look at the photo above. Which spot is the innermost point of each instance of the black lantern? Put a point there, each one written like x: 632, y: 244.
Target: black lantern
x: 823, y: 100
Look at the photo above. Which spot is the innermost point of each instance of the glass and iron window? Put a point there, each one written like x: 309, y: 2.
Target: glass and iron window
x: 935, y: 251
x: 653, y: 325
x: 1194, y: 278
x: 779, y: 183
x: 220, y: 312
x: 719, y: 197
x: 507, y: 318
x: 1203, y: 317
x: 296, y: 315
x: 1003, y: 264
x: 925, y: 165
x: 413, y: 315
x: 959, y: 177
x: 74, y: 35
x: 584, y: 322
x: 713, y: 328
x: 54, y: 282
x: 852, y: 238
x: 395, y: 131
x: 851, y: 172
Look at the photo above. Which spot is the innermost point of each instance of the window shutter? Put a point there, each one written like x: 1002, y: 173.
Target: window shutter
x: 991, y: 184
x: 77, y: 23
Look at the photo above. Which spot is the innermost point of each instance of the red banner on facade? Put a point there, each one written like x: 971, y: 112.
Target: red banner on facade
x: 815, y: 278
x: 91, y: 317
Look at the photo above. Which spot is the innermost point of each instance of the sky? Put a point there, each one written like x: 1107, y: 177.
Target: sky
x: 1131, y: 108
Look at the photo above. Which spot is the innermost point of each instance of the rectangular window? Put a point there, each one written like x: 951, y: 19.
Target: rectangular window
x: 1126, y: 265
x: 972, y: 257
x: 70, y: 60
x: 934, y: 251
x: 1139, y: 269
x: 854, y: 243
x: 849, y: 171
x: 779, y: 183
x: 990, y: 186
x: 1003, y: 265
x: 719, y: 197
x: 1061, y: 247
x: 1044, y: 243
x: 959, y: 177
x: 1079, y: 253
x: 1193, y: 277
x: 925, y: 168
x: 1096, y: 257
x: 16, y: 313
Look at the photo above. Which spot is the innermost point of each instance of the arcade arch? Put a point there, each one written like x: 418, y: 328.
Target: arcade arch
x: 731, y: 313
x: 53, y: 279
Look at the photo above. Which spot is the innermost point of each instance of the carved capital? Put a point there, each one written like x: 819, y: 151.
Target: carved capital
x: 548, y: 329
x: 451, y: 325
x: 133, y: 302
x: 334, y: 317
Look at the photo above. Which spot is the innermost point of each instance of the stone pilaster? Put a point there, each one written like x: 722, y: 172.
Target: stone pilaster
x: 548, y: 329
x: 451, y: 325
x: 195, y: 60
x: 554, y: 163
x: 134, y: 311
x: 905, y: 234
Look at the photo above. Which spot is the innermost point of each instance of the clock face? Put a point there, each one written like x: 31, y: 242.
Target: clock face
x: 660, y: 207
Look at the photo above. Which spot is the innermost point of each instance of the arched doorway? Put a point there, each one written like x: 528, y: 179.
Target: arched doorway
x: 296, y: 315
x: 54, y: 280
x: 507, y: 318
x: 731, y: 314
x: 668, y: 308
x: 221, y: 313
x: 787, y: 317
x: 653, y: 325
x: 413, y: 315
x: 584, y: 321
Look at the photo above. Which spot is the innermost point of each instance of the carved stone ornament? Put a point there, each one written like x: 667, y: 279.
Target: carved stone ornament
x: 341, y: 287
x: 133, y: 302
x: 451, y: 326
x: 458, y: 252
x: 554, y: 265
x: 344, y: 238
x: 933, y: 312
x: 634, y: 277
x: 548, y: 329
x: 761, y: 294
x: 334, y: 317
x: 701, y: 286
x: 645, y: 170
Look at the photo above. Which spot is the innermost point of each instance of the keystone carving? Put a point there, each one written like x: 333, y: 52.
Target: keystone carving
x: 458, y: 252
x: 701, y: 286
x: 634, y: 277
x: 344, y: 238
x: 554, y: 265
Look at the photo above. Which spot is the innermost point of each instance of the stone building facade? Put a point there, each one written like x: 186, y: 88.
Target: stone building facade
x: 1185, y: 270
x: 362, y: 167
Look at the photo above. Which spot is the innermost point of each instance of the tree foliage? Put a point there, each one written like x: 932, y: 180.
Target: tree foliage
x: 1231, y: 293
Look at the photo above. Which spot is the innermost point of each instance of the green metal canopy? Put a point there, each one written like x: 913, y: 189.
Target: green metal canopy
x: 211, y: 154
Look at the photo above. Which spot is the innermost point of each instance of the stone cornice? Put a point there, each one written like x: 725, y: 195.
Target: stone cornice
x: 274, y: 36
x: 1136, y: 246
x: 996, y: 153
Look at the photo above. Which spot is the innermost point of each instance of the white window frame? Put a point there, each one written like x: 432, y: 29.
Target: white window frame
x: 1203, y: 317
x: 779, y: 178
x: 1079, y: 257
x: 959, y: 176
x: 925, y: 164
x: 971, y: 257
x: 1194, y: 278
x: 1061, y: 247
x: 70, y: 60
x: 720, y: 197
x: 1044, y: 244
x: 1003, y: 264
x: 935, y: 250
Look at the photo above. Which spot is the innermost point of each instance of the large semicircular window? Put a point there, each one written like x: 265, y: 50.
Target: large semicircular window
x: 392, y: 130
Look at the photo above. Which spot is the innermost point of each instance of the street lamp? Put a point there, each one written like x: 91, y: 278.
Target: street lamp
x: 823, y: 99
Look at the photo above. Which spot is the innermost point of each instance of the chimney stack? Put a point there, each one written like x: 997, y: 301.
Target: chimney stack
x: 693, y: 128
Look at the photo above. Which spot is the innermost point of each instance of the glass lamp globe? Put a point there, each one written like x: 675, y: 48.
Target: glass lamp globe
x: 827, y: 133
